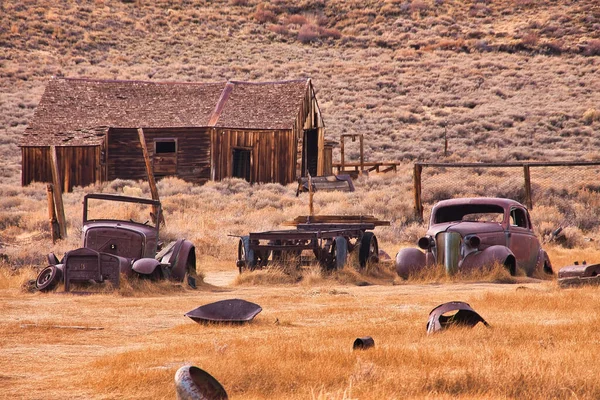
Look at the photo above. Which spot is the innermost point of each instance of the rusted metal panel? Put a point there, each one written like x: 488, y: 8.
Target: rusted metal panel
x: 192, y: 383
x: 464, y: 316
x: 231, y: 310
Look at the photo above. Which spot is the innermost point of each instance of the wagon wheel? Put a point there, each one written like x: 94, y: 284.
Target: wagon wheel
x: 48, y: 278
x: 368, y: 251
x: 245, y: 254
x: 338, y: 253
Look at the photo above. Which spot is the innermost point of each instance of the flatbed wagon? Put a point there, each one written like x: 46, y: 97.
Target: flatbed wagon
x: 329, y: 238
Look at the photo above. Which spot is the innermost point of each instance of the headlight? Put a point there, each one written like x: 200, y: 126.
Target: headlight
x: 425, y: 243
x: 472, y: 241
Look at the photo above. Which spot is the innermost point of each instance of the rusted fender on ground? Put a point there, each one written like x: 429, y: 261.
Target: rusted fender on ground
x: 465, y: 316
x: 410, y: 260
x: 192, y: 383
x: 231, y: 310
x: 490, y: 256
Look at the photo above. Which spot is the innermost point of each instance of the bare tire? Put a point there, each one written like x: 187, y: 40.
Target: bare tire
x: 245, y: 255
x: 339, y: 253
x: 368, y: 250
x: 48, y: 278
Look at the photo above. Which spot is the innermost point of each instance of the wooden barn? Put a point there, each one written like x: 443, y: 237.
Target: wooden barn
x: 261, y: 132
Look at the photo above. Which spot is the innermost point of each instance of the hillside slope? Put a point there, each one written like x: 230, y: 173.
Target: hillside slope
x: 503, y: 80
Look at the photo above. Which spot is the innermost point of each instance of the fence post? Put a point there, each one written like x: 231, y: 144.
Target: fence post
x: 417, y: 189
x: 527, y: 176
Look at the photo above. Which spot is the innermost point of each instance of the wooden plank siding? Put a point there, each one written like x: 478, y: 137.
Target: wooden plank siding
x: 271, y: 152
x: 77, y: 165
x: 125, y: 159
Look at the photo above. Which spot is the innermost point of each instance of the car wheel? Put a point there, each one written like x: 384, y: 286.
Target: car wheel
x: 48, y: 278
x: 245, y: 254
x: 368, y: 250
x: 339, y: 253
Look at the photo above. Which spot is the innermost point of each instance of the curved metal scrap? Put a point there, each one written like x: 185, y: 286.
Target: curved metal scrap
x: 362, y: 343
x: 465, y: 316
x: 192, y: 383
x: 232, y: 310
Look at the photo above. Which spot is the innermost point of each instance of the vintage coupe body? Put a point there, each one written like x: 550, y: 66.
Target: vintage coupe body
x: 472, y: 233
x: 115, y: 244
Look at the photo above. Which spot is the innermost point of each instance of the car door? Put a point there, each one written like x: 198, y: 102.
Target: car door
x: 522, y: 240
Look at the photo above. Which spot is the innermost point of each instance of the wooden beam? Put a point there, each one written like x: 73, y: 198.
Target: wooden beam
x: 527, y: 176
x: 151, y: 181
x: 417, y: 189
x: 60, y: 209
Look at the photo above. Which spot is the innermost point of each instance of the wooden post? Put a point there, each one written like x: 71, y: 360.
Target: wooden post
x: 311, y: 210
x: 342, y: 168
x: 151, y: 181
x: 417, y: 189
x: 60, y: 209
x: 528, y: 199
x: 362, y: 153
x: 54, y: 228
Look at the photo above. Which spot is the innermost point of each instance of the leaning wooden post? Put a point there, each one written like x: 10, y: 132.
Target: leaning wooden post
x: 54, y: 229
x: 528, y: 199
x: 151, y: 181
x: 60, y: 209
x: 417, y: 189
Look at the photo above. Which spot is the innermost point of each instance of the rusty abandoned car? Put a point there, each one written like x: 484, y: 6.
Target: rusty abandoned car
x: 115, y: 245
x: 473, y: 233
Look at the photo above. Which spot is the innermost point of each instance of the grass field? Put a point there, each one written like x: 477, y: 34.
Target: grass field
x: 541, y: 344
x: 505, y: 80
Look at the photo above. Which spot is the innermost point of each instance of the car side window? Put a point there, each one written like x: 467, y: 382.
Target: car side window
x: 518, y: 218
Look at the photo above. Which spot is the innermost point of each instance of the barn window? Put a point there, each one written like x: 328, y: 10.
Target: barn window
x: 165, y: 146
x: 165, y: 157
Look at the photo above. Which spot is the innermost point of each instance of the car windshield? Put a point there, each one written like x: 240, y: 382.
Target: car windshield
x: 469, y: 212
x: 103, y: 209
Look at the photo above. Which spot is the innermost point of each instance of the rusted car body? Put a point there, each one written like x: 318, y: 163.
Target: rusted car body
x: 113, y: 246
x: 472, y: 233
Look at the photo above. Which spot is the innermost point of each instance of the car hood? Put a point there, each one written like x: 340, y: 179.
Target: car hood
x: 465, y: 228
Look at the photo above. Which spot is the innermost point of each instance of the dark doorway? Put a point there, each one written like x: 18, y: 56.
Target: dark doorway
x: 241, y: 163
x: 310, y: 152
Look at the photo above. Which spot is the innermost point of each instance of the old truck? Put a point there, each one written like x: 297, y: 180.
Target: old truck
x: 114, y: 244
x: 468, y: 233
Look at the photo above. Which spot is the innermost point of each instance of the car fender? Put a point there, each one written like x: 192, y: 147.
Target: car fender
x: 489, y: 256
x: 543, y: 263
x: 182, y: 259
x: 410, y: 260
x: 145, y: 266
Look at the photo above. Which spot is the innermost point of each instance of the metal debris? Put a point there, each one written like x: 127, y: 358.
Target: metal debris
x: 232, y: 310
x: 464, y: 316
x: 579, y: 274
x: 192, y: 383
x: 363, y: 343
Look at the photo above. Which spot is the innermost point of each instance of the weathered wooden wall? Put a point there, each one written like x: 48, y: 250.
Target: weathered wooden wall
x: 125, y: 159
x: 273, y: 153
x: 78, y: 165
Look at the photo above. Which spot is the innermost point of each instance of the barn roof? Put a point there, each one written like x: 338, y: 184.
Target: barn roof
x: 80, y: 111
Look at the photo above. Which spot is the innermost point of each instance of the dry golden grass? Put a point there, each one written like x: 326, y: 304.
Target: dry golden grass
x: 541, y: 344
